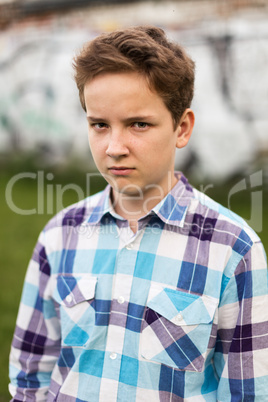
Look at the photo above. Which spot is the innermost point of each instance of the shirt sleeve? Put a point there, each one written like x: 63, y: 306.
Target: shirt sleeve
x: 36, y: 342
x: 241, y: 356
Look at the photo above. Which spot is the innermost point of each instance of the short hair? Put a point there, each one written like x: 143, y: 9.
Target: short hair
x: 168, y: 69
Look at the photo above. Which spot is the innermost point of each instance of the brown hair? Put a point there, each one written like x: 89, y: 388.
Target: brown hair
x: 146, y: 50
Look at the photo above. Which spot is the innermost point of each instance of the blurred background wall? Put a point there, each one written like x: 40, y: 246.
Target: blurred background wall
x: 43, y: 128
x: 228, y: 39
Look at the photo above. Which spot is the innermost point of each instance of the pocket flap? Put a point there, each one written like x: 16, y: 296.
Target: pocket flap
x: 182, y: 308
x: 72, y: 290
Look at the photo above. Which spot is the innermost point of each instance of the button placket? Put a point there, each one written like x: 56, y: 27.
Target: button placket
x: 121, y: 299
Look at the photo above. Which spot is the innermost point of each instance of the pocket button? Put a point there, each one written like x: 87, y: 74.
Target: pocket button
x: 69, y: 299
x: 178, y: 318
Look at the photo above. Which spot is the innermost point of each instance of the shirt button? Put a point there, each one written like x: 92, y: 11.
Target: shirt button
x: 113, y: 356
x: 129, y: 247
x: 69, y: 299
x: 120, y: 299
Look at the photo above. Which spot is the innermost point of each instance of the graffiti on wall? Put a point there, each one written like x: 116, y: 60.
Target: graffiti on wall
x: 39, y: 105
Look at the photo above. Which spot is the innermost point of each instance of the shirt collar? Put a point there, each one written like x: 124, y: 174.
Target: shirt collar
x: 171, y: 210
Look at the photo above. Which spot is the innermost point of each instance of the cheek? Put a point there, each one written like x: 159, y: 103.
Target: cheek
x: 97, y: 146
x: 161, y: 148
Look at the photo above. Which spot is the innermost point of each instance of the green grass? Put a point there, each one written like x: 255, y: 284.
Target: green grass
x: 19, y: 234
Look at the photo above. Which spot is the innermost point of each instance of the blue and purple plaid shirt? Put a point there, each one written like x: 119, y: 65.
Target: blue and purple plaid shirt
x: 176, y: 312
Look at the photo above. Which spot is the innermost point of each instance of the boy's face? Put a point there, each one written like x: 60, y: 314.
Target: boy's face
x: 131, y: 134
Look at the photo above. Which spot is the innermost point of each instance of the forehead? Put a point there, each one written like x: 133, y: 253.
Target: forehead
x: 124, y: 89
x: 118, y: 81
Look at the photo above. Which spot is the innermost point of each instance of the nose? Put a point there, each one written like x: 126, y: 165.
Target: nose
x: 117, y: 146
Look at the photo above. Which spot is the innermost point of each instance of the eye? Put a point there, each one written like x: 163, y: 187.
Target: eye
x: 140, y: 125
x: 99, y: 126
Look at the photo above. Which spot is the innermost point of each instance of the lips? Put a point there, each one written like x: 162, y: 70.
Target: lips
x: 120, y: 170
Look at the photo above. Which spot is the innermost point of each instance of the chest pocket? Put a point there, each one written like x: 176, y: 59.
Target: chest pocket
x: 75, y: 294
x: 177, y: 328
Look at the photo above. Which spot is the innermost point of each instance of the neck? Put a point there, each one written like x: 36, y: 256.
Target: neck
x: 134, y: 206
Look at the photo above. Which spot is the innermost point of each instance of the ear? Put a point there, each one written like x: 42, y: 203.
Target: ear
x: 185, y: 128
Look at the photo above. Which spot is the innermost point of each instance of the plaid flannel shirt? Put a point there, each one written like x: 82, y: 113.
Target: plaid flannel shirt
x: 176, y: 312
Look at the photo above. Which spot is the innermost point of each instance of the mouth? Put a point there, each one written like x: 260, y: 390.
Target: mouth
x: 120, y: 170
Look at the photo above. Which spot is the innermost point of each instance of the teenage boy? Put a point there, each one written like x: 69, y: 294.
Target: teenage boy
x: 149, y: 290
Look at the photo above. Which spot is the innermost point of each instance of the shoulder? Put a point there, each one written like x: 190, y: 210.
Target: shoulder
x: 228, y: 243
x: 226, y: 226
x: 74, y: 215
x: 63, y: 230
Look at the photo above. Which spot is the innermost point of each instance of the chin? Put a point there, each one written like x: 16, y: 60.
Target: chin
x: 135, y: 192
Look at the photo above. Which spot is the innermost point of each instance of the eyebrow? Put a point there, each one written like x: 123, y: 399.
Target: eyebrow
x: 95, y: 119
x: 128, y: 120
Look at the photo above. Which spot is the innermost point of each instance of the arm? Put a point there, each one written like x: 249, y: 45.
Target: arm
x: 241, y: 357
x: 36, y: 343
